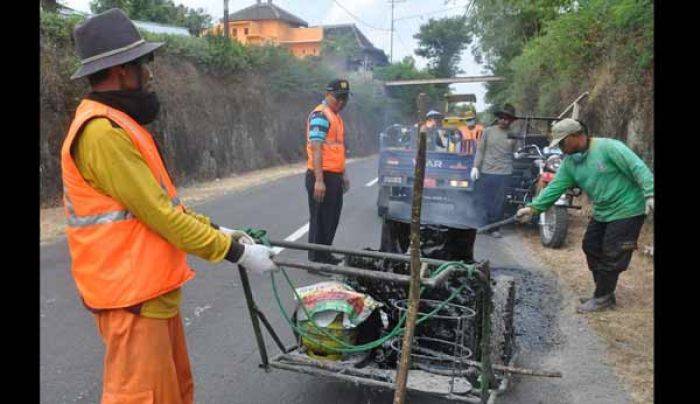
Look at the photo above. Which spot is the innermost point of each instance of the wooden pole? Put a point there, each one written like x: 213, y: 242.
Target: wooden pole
x: 414, y: 288
x: 486, y: 370
x: 226, y: 33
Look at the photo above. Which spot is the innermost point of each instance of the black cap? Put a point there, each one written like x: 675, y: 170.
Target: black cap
x: 339, y: 86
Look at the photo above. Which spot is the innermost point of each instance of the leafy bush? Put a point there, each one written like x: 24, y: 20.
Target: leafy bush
x: 56, y: 27
x: 216, y: 55
x: 225, y: 107
x: 564, y: 59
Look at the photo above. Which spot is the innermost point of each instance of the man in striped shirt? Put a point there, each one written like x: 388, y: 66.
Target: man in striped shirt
x: 325, y: 178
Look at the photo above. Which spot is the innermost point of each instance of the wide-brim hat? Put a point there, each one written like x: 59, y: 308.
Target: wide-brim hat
x: 506, y: 110
x: 106, y: 40
x: 562, y: 129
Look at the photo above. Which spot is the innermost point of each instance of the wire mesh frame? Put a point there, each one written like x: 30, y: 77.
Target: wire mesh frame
x: 461, y: 353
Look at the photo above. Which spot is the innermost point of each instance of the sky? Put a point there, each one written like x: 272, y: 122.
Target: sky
x: 372, y: 17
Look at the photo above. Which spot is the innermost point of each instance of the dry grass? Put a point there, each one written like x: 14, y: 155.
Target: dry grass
x: 629, y: 329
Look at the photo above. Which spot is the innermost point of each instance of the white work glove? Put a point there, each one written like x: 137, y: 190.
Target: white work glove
x: 257, y: 258
x: 237, y: 235
x: 524, y: 215
x: 475, y: 174
x: 649, y: 206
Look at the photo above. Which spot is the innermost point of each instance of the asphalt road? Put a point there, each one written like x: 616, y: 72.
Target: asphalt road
x: 221, y: 343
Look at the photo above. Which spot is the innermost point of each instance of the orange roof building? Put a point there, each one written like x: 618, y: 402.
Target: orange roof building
x: 266, y: 23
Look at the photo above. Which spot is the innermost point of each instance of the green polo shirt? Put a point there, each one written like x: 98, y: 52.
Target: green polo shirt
x: 615, y: 179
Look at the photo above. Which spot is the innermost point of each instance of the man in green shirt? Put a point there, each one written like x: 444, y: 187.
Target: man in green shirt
x: 621, y: 187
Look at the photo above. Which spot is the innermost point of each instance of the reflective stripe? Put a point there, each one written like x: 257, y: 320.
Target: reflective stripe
x: 82, y: 221
x: 111, y: 217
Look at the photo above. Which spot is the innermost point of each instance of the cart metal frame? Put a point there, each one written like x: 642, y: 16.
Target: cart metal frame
x: 292, y: 359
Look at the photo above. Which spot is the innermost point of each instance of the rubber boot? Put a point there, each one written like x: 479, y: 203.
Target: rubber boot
x: 587, y: 298
x: 597, y: 304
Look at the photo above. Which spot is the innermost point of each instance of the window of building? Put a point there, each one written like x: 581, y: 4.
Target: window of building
x: 245, y: 31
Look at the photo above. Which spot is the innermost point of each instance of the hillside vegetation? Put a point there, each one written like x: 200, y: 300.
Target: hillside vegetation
x: 551, y: 51
x: 225, y: 108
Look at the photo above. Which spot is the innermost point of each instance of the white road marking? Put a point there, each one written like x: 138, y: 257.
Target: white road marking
x: 305, y: 228
x: 201, y: 309
x: 294, y: 236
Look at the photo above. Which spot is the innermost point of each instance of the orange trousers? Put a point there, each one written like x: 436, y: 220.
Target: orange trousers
x: 146, y: 360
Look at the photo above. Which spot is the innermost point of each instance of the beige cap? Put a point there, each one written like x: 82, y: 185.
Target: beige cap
x: 564, y: 128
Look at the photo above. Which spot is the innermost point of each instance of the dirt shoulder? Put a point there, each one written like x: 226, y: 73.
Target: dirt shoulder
x: 628, y: 330
x: 52, y: 220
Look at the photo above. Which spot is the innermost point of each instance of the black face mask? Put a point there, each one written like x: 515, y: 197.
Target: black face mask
x: 141, y: 105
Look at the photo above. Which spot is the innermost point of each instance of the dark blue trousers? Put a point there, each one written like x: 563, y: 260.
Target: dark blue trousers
x: 324, y: 216
x: 492, y: 189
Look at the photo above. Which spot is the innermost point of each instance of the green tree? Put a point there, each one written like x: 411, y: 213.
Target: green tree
x: 502, y: 28
x: 442, y: 41
x: 405, y: 96
x: 197, y: 21
x: 341, y: 46
x: 160, y: 11
x: 49, y: 5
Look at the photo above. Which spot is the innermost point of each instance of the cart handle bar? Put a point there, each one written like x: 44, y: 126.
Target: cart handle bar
x: 314, y: 267
x: 347, y: 251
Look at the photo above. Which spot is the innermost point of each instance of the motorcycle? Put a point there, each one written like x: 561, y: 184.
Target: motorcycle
x: 553, y: 223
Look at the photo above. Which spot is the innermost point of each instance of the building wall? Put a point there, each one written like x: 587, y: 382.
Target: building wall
x: 304, y: 49
x: 300, y: 41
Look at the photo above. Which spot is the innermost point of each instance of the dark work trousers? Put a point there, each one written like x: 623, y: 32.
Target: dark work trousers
x: 492, y: 192
x: 324, y: 216
x: 608, y: 247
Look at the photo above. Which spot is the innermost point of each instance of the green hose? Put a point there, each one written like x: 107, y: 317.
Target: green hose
x: 367, y: 346
x: 261, y: 237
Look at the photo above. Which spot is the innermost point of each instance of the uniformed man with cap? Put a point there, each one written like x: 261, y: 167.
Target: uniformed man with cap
x: 471, y: 132
x: 326, y: 181
x: 437, y: 137
x: 621, y: 187
x: 127, y: 231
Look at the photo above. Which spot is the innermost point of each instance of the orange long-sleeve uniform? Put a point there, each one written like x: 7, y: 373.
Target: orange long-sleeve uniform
x: 109, y: 161
x: 146, y: 359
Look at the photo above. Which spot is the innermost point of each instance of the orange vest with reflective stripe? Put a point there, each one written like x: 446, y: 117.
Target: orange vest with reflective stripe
x: 117, y: 261
x: 472, y: 134
x: 333, y: 148
x: 469, y: 137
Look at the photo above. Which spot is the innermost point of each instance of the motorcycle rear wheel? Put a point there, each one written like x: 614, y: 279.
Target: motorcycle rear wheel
x: 553, y: 226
